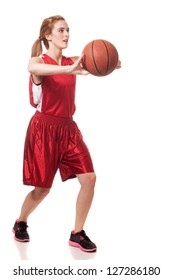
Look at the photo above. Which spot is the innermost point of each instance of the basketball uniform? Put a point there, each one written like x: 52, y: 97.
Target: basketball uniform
x: 53, y: 140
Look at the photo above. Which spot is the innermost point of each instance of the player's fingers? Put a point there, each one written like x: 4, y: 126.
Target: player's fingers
x: 79, y: 59
x: 118, y: 64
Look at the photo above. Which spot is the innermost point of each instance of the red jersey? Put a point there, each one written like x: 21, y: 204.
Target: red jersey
x: 56, y: 94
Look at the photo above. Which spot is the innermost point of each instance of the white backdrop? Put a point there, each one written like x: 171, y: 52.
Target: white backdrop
x: 126, y: 119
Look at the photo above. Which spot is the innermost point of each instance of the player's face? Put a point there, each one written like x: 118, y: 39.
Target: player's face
x: 60, y: 34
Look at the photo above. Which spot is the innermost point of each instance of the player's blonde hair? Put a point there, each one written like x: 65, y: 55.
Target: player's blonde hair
x: 46, y: 28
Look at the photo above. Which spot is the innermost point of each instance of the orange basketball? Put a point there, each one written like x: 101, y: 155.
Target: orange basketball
x: 100, y: 57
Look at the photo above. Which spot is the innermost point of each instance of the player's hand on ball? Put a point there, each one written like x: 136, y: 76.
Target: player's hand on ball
x: 118, y: 65
x: 77, y: 67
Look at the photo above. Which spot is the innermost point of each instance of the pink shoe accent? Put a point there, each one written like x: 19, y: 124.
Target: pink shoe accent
x: 75, y: 244
x: 19, y: 240
x: 24, y: 240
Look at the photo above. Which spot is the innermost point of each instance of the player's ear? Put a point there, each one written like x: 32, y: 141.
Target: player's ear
x: 48, y: 37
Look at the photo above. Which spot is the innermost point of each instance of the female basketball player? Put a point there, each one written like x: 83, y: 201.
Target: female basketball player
x: 53, y: 141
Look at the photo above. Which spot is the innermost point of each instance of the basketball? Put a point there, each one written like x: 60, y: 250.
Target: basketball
x: 100, y: 57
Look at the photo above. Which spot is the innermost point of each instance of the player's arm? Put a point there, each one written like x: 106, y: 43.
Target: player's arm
x: 38, y: 68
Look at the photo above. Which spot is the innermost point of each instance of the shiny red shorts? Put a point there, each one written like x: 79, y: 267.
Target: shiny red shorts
x: 53, y: 143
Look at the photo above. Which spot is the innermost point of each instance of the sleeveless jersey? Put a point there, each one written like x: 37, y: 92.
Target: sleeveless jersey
x: 56, y: 94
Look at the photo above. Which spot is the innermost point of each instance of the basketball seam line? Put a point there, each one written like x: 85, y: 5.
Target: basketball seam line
x: 94, y: 59
x: 107, y: 56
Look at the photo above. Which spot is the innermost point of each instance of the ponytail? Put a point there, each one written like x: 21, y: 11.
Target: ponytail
x: 37, y: 48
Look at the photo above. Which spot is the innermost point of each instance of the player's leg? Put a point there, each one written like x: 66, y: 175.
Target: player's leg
x: 32, y: 200
x: 84, y: 199
x: 78, y: 236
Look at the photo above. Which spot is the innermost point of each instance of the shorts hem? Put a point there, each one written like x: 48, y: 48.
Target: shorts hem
x: 36, y: 185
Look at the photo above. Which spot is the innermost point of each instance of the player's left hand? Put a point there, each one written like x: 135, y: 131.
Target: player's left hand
x: 118, y: 65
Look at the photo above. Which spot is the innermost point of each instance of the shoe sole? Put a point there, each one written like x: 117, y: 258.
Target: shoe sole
x: 75, y: 244
x: 20, y: 240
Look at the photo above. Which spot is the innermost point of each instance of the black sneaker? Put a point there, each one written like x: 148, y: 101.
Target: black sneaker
x: 81, y: 240
x: 20, y: 231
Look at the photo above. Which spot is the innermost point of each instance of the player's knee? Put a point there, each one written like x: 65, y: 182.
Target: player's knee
x: 90, y: 181
x: 93, y: 179
x: 40, y: 193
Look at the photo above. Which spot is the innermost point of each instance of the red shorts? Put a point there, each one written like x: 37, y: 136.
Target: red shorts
x: 53, y: 143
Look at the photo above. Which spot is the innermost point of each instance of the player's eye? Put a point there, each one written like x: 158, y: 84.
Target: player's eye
x: 60, y: 30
